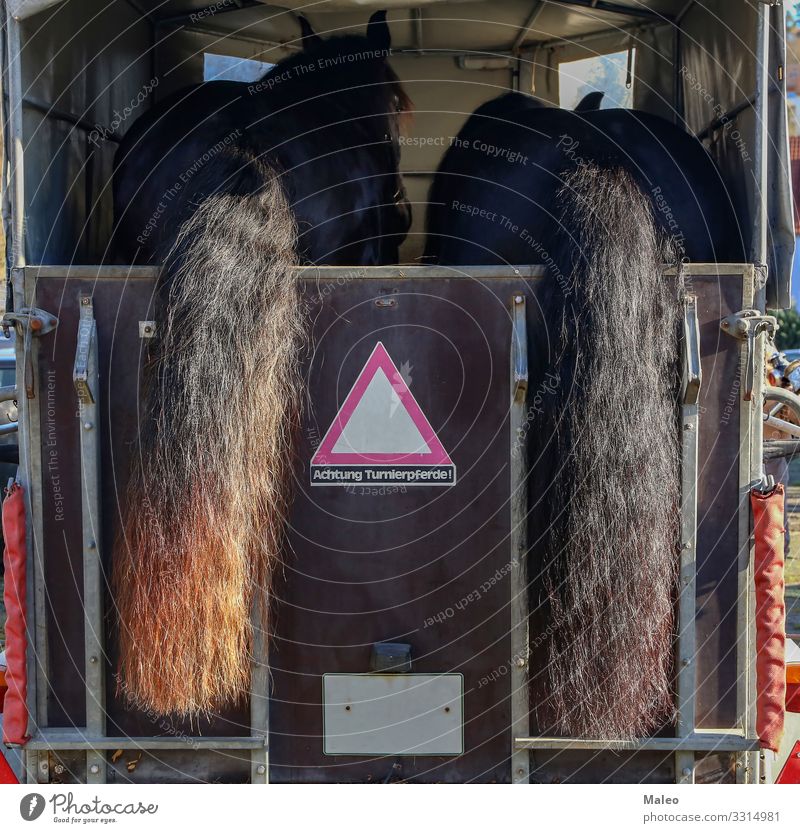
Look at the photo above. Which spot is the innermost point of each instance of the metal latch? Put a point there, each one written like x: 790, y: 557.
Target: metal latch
x: 31, y: 321
x: 747, y: 325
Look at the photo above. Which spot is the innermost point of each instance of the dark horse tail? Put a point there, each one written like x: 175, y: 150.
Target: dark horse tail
x: 611, y: 530
x: 207, y: 499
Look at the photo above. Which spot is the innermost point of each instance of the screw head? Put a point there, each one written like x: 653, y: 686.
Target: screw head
x: 93, y: 660
x: 518, y: 299
x: 94, y: 769
x: 687, y: 771
x: 261, y: 769
x: 88, y: 426
x: 520, y: 662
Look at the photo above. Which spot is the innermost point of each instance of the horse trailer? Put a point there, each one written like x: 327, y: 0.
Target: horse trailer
x: 403, y: 636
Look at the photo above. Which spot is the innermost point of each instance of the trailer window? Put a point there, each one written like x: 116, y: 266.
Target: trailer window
x: 612, y: 74
x: 231, y: 68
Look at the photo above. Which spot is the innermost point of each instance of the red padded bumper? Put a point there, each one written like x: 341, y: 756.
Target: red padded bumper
x: 770, y: 616
x: 15, y: 710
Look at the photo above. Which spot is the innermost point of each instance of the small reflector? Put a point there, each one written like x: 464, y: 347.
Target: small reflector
x: 793, y: 673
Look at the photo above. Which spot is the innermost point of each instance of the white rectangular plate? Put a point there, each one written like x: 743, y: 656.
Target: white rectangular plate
x: 393, y: 714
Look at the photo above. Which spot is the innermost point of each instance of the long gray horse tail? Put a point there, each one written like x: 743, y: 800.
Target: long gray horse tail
x: 610, y: 428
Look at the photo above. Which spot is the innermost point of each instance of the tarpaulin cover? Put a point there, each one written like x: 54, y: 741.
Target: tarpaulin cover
x: 15, y: 712
x: 770, y: 615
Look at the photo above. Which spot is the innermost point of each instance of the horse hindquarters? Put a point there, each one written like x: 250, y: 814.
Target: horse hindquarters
x: 609, y: 567
x: 207, y: 496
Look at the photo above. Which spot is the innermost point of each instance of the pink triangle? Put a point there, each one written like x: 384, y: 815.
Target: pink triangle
x: 380, y: 360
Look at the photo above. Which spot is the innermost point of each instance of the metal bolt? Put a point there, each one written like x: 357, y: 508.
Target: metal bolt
x: 687, y: 545
x: 687, y: 771
x: 85, y: 301
x: 518, y: 299
x: 58, y: 769
x: 88, y: 426
x: 94, y: 769
x: 93, y: 659
x: 520, y: 662
x: 687, y: 426
x: 261, y: 769
x: 520, y: 772
x: 685, y: 662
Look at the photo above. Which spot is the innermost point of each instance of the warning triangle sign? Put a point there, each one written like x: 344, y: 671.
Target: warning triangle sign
x: 380, y: 434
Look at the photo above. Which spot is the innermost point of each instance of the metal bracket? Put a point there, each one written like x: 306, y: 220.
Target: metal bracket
x: 147, y: 329
x: 746, y: 325
x: 86, y: 378
x: 519, y: 350
x: 520, y: 643
x: 37, y: 321
x: 87, y: 333
x: 30, y: 321
x: 692, y: 370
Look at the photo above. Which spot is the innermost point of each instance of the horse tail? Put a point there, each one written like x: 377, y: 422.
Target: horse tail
x: 610, y: 538
x: 207, y: 497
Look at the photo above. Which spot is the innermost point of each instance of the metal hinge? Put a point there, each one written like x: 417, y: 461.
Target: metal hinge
x: 30, y: 321
x: 37, y: 321
x: 746, y: 325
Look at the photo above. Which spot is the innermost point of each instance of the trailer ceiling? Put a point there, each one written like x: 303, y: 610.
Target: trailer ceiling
x: 474, y: 24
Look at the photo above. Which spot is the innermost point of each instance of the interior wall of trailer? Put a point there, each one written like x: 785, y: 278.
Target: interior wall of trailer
x: 718, y: 68
x: 90, y: 59
x: 94, y: 59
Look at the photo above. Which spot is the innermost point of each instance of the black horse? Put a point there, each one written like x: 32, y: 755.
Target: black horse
x: 602, y: 198
x: 229, y: 186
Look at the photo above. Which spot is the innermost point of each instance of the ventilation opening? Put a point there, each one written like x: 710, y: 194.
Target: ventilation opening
x: 611, y: 74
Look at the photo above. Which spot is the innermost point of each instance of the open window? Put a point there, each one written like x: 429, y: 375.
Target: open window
x: 611, y: 74
x: 231, y: 68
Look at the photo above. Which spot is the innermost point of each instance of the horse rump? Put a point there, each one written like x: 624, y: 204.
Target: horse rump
x: 207, y: 497
x: 607, y: 467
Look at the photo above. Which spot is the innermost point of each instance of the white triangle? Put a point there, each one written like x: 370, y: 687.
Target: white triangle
x: 380, y: 424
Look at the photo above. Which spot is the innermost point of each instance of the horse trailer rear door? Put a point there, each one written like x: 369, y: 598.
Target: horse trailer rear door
x: 399, y: 645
